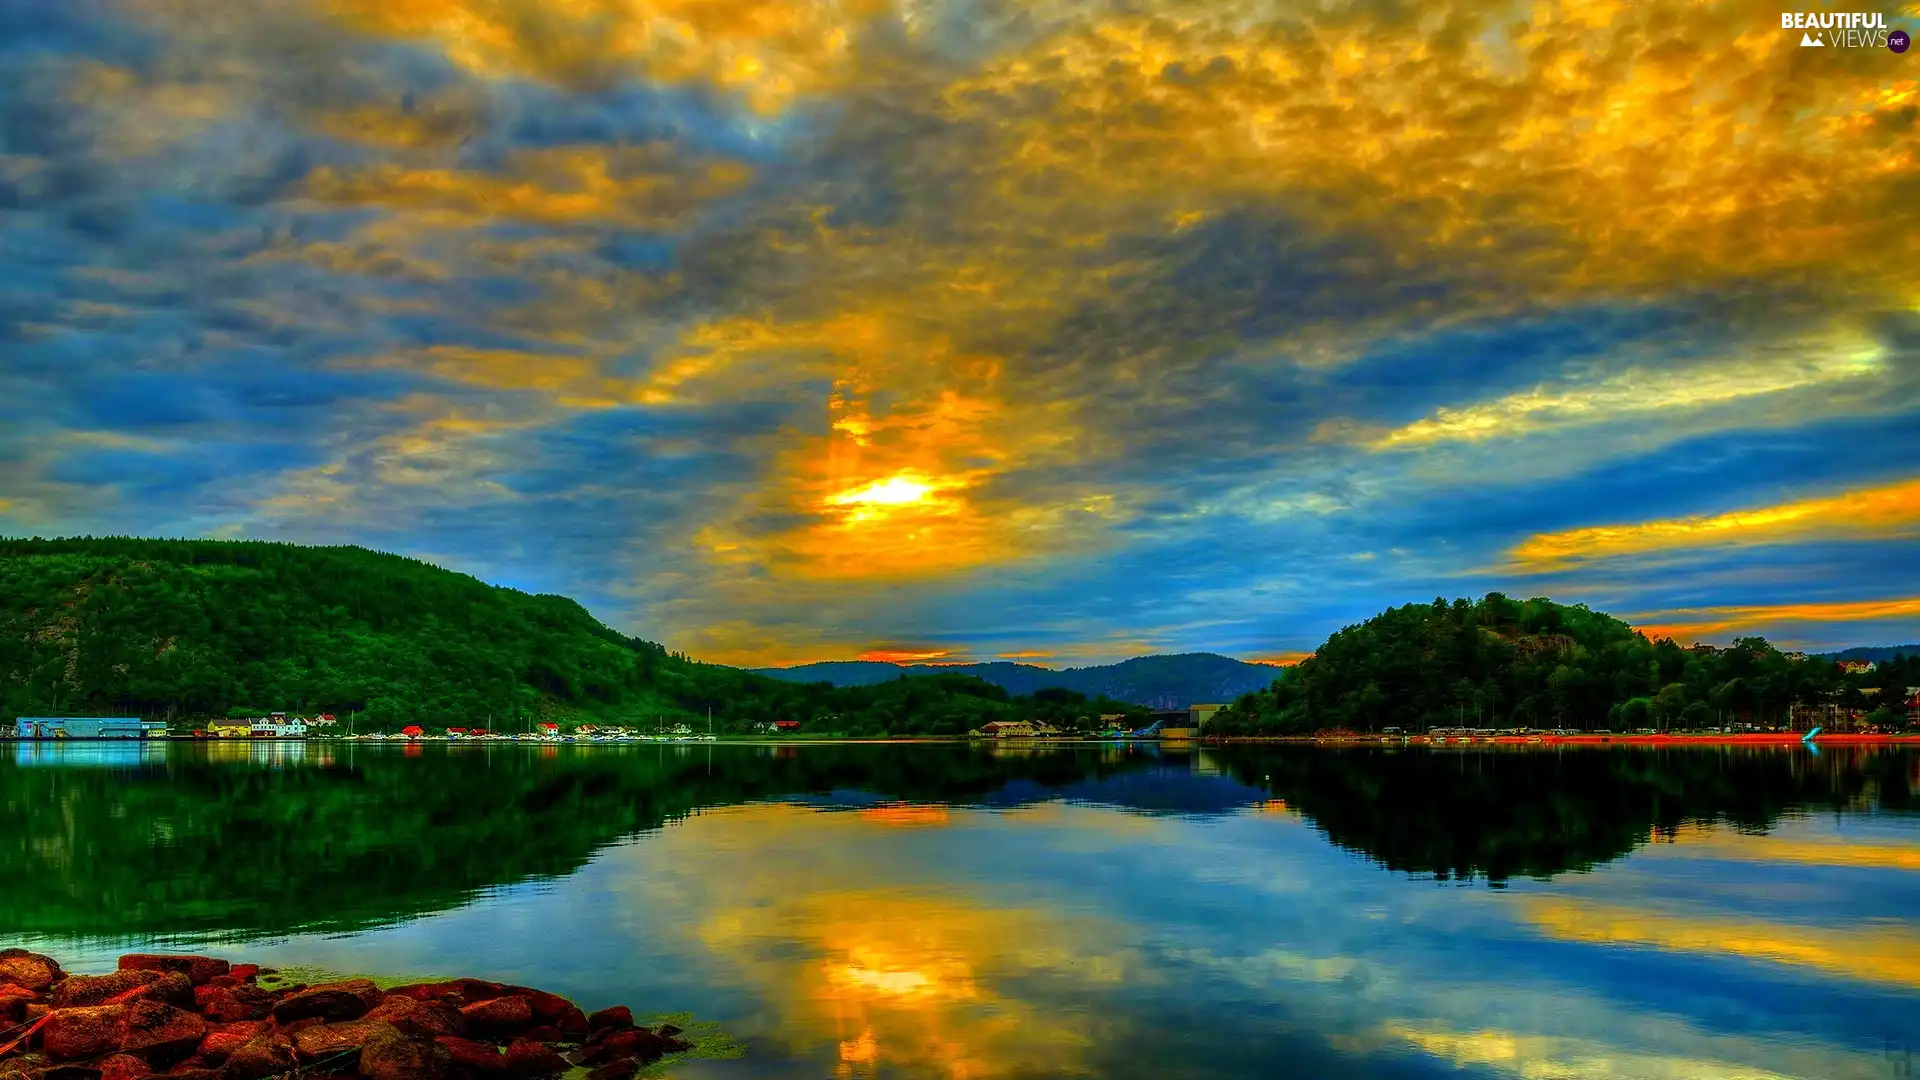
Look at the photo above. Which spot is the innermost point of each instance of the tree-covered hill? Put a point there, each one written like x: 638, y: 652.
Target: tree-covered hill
x: 190, y: 629
x: 1499, y: 662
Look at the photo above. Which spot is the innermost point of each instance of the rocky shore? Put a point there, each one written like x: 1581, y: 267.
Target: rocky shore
x: 200, y: 1018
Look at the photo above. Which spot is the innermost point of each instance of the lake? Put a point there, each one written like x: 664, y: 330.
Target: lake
x: 977, y: 912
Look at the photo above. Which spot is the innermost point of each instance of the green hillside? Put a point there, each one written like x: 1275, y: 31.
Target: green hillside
x: 1498, y: 662
x: 188, y: 629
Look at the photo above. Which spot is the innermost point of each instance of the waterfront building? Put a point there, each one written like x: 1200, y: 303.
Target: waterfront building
x: 278, y: 726
x: 87, y: 727
x: 1198, y: 715
x: 231, y: 729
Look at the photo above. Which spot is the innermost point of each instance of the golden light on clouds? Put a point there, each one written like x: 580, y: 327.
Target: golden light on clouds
x: 1557, y: 1057
x: 905, y: 656
x: 1692, y: 624
x: 1692, y: 841
x: 1889, y: 511
x: 1885, y: 953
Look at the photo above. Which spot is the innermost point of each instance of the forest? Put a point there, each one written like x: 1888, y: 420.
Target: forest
x: 190, y: 630
x: 1503, y: 663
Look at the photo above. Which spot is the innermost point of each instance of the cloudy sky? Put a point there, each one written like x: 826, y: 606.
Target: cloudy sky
x: 1066, y: 330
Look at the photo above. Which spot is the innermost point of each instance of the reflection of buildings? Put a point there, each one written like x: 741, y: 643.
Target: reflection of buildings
x: 1014, y: 729
x: 271, y: 752
x: 120, y: 753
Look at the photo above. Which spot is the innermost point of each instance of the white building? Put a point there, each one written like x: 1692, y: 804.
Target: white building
x: 279, y: 726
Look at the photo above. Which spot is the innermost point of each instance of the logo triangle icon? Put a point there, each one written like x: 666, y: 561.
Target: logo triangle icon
x: 1809, y: 42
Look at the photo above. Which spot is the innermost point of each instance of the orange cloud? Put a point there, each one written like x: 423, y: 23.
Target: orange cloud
x: 1878, y: 513
x: 1874, y: 953
x: 1691, y: 624
x: 898, y: 656
x: 1280, y: 659
x: 1699, y: 841
x: 645, y: 187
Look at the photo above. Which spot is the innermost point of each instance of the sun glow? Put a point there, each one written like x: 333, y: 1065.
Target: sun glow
x: 904, y: 489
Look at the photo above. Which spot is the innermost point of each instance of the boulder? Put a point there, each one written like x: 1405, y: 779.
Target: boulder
x: 337, y: 1045
x: 528, y: 1058
x: 457, y: 992
x: 544, y: 1033
x: 196, y: 968
x: 226, y: 1004
x: 635, y: 1042
x: 477, y: 1059
x: 498, y: 1016
x: 220, y: 1044
x: 160, y: 1031
x: 123, y: 1067
x: 194, y: 1072
x: 69, y: 1070
x: 619, y: 1018
x: 347, y: 1000
x: 263, y: 1056
x: 77, y: 990
x: 13, y: 1007
x: 28, y: 969
x: 547, y: 1008
x: 618, y: 1069
x: 244, y: 972
x: 416, y: 1017
x: 171, y: 987
x: 85, y: 1032
x: 397, y: 1057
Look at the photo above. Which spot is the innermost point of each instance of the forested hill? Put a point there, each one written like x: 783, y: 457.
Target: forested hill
x: 1161, y: 682
x: 190, y: 629
x: 1499, y: 662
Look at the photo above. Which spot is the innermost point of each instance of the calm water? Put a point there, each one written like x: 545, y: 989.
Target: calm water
x: 956, y: 912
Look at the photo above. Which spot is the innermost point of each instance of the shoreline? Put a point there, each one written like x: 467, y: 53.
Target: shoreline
x: 1756, y: 739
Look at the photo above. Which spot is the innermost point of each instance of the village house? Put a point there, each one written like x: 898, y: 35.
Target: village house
x: 277, y: 726
x: 1858, y: 667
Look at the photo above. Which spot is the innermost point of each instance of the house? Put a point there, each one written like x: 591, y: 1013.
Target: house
x: 413, y: 731
x: 1014, y: 729
x: 87, y: 727
x: 278, y: 726
x: 232, y: 729
x: 547, y: 729
x: 458, y: 733
x: 1796, y: 657
x: 786, y: 725
x: 1198, y: 715
x: 586, y: 729
x: 1913, y: 704
x: 1857, y: 667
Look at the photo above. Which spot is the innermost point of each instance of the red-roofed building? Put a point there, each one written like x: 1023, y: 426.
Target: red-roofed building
x: 413, y: 731
x: 786, y: 725
x: 1857, y: 667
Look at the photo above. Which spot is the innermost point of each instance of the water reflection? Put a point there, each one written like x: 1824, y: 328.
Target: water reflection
x: 958, y: 912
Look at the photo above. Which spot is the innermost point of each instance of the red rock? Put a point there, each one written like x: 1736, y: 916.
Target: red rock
x: 219, y: 1044
x: 160, y: 1031
x: 196, y: 968
x: 619, y: 1017
x: 479, y: 1059
x: 77, y: 990
x: 500, y: 1015
x: 226, y: 1004
x: 618, y: 1069
x: 244, y: 972
x: 528, y: 1058
x: 13, y: 1008
x: 334, y: 1001
x: 547, y: 1008
x: 171, y: 987
x: 266, y: 1055
x: 634, y: 1042
x: 396, y: 1057
x: 334, y: 1045
x: 123, y: 1067
x: 415, y: 1017
x: 35, y: 1011
x: 28, y: 969
x: 297, y: 1026
x: 194, y: 1072
x: 68, y: 1070
x: 572, y: 1022
x: 543, y: 1033
x: 224, y: 980
x: 84, y: 1032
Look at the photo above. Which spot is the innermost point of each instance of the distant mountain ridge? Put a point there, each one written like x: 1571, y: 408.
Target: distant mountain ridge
x: 1167, y: 681
x: 1879, y: 654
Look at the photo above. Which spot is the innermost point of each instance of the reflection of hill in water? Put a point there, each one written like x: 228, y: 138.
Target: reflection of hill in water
x: 257, y: 839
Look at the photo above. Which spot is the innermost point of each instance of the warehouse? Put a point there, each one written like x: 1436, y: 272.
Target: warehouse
x: 88, y: 727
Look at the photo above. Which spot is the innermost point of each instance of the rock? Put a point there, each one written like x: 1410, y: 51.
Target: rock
x: 84, y: 1032
x: 226, y: 1004
x: 397, y: 1057
x: 194, y: 1072
x: 35, y: 1011
x: 543, y: 1033
x: 618, y: 1018
x: 218, y: 1044
x: 196, y: 968
x: 68, y: 1071
x: 618, y: 1069
x: 224, y: 980
x: 76, y: 990
x: 528, y: 1058
x: 415, y: 1017
x: 123, y: 1067
x: 28, y: 969
x: 635, y: 1042
x: 244, y: 972
x: 160, y: 1031
x: 498, y: 1016
x: 479, y: 1059
x: 263, y: 1056
x: 335, y: 1045
x: 668, y: 1030
x: 334, y: 1001
x: 13, y: 1007
x: 547, y: 1008
x: 572, y: 1022
x: 171, y: 987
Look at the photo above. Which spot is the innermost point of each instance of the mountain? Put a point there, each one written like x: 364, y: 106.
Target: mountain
x: 1879, y: 654
x: 1160, y: 682
x: 187, y: 630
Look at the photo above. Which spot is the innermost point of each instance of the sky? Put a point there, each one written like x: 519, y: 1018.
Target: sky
x: 1052, y: 330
